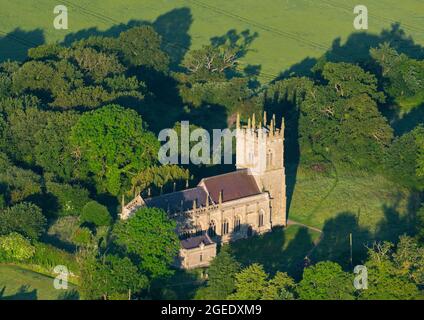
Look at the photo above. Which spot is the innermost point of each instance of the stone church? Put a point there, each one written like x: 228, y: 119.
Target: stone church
x: 232, y: 206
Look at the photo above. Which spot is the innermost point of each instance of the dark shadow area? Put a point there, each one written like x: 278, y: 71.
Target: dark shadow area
x: 242, y: 41
x: 69, y: 295
x: 356, y: 50
x: 182, y: 285
x: 14, y: 45
x: 172, y: 26
x: 58, y: 243
x: 357, y: 47
x: 23, y: 293
x: 394, y: 224
x: 281, y: 107
x: 335, y: 243
x: 408, y: 121
x: 271, y: 251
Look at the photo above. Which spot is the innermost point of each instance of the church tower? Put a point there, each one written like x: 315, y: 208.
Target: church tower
x: 260, y: 149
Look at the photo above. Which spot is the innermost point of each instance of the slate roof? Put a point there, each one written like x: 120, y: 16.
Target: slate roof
x: 194, y: 242
x: 174, y: 201
x: 235, y: 185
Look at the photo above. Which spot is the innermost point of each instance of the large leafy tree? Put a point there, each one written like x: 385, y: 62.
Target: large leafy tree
x: 95, y: 213
x: 158, y: 177
x: 281, y: 287
x: 141, y: 46
x: 386, y: 281
x: 403, y: 76
x: 250, y: 283
x: 326, y: 281
x: 24, y: 218
x: 253, y: 283
x: 151, y: 236
x: 350, y: 80
x: 403, y: 161
x: 109, y: 277
x: 17, y: 184
x: 112, y: 144
x: 409, y: 258
x: 70, y: 199
x: 340, y: 120
x: 52, y: 150
x: 221, y: 277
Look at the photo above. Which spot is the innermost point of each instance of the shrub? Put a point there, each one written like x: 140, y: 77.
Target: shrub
x: 63, y: 229
x: 50, y: 257
x: 15, y: 247
x: 24, y: 218
x: 93, y: 212
x: 71, y: 199
x: 82, y: 237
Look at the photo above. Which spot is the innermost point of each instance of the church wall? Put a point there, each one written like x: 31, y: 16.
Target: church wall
x: 197, y: 257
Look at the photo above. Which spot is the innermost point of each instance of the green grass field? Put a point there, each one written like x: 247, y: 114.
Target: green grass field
x: 368, y: 206
x: 288, y: 31
x: 17, y: 283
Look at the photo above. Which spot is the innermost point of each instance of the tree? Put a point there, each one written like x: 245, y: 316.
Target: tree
x: 17, y: 184
x: 52, y: 149
x: 221, y: 277
x: 281, y: 287
x: 211, y: 62
x: 350, y: 80
x: 24, y: 218
x: 151, y: 236
x: 409, y: 258
x: 141, y: 46
x: 403, y: 76
x: 419, y: 139
x: 326, y: 281
x: 109, y: 277
x: 112, y: 143
x: 339, y: 121
x: 71, y: 199
x: 158, y: 177
x: 97, y: 64
x: 385, y: 280
x: 420, y: 225
x: 83, y: 237
x: 22, y: 129
x: 15, y: 247
x: 95, y: 213
x: 250, y: 284
x: 402, y: 161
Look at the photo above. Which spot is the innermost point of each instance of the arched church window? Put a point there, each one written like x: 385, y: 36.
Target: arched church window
x: 225, y: 227
x: 261, y: 218
x: 237, y: 224
x: 212, y: 229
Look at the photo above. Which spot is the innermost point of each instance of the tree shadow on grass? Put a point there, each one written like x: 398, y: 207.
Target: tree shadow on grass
x: 15, y: 44
x: 335, y: 243
x: 172, y: 26
x: 273, y: 253
x: 23, y: 293
x: 396, y: 224
x: 408, y: 121
x: 356, y: 50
